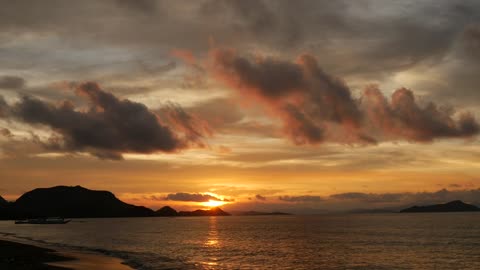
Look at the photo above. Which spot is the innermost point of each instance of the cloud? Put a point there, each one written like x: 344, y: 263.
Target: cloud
x: 186, y: 56
x: 194, y: 128
x: 5, y: 132
x: 369, y: 197
x: 143, y: 6
x: 384, y: 38
x: 108, y: 128
x: 260, y: 197
x: 219, y: 112
x: 20, y: 146
x: 11, y: 82
x: 404, y: 118
x: 302, y: 95
x: 301, y: 199
x: 456, y: 80
x: 249, y: 17
x: 315, y: 107
x: 153, y: 198
x: 192, y: 197
x: 363, y: 40
x: 471, y: 39
x: 3, y: 107
x: 440, y: 196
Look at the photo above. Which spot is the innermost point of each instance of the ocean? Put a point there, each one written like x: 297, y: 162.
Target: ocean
x: 343, y: 241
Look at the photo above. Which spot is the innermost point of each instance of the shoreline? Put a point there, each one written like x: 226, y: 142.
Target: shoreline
x: 25, y: 256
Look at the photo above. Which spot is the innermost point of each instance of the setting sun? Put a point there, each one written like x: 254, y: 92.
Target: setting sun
x: 213, y: 203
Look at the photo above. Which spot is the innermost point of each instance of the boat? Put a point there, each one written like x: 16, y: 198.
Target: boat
x: 53, y: 220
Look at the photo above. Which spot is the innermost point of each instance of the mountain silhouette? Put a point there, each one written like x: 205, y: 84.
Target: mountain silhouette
x: 5, y: 209
x: 166, y: 211
x: 198, y: 213
x: 453, y: 206
x: 74, y: 202
x: 79, y: 202
x: 3, y: 202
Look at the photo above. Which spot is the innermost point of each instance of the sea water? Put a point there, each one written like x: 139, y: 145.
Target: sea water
x: 343, y: 241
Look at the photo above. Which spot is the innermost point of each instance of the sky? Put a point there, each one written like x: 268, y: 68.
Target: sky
x: 299, y: 106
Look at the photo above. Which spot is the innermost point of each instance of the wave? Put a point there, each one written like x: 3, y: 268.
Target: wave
x: 136, y: 260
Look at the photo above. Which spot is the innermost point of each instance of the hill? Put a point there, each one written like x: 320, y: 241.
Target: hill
x: 453, y: 206
x: 3, y: 202
x: 74, y: 202
x: 198, y: 213
x: 79, y: 202
x: 166, y: 211
x: 5, y: 209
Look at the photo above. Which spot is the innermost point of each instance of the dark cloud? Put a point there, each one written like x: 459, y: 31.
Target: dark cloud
x: 365, y: 29
x: 11, y: 82
x: 272, y: 23
x: 3, y: 107
x: 5, y: 132
x: 107, y: 129
x: 369, y: 197
x: 144, y: 6
x: 457, y: 78
x: 404, y: 118
x: 191, y: 197
x: 154, y: 198
x: 157, y: 70
x: 471, y: 39
x: 315, y: 107
x: 301, y: 199
x: 373, y: 45
x: 301, y: 93
x: 260, y: 197
x: 364, y: 39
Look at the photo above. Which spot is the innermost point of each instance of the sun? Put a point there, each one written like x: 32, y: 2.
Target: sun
x: 213, y: 203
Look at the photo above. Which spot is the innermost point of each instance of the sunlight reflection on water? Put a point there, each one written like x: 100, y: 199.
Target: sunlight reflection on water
x: 330, y: 242
x: 212, y: 240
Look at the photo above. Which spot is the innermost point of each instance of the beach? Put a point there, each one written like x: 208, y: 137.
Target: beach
x: 21, y: 256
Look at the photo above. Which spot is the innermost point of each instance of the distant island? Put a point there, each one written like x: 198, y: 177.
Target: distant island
x: 75, y: 201
x: 168, y: 211
x: 79, y: 202
x: 199, y: 213
x: 453, y: 206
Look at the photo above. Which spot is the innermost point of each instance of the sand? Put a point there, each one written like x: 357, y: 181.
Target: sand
x: 20, y: 256
x: 88, y: 261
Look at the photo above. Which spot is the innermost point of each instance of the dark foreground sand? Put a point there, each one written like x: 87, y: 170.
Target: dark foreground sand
x: 19, y: 256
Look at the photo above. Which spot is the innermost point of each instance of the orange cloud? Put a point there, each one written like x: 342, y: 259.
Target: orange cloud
x: 185, y: 55
x: 315, y: 107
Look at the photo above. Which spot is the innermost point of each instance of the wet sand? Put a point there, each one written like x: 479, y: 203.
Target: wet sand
x: 88, y: 261
x: 20, y: 256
